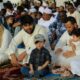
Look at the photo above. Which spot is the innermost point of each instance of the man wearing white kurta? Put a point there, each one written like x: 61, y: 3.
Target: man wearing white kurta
x: 62, y: 49
x: 26, y: 35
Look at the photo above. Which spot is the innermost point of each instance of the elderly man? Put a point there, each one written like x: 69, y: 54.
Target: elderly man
x: 62, y: 49
x: 26, y: 35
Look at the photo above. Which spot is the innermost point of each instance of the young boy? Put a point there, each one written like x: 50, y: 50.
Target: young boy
x: 39, y: 59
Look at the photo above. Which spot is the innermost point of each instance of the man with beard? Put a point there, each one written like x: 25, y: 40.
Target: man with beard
x: 62, y: 49
x: 26, y: 35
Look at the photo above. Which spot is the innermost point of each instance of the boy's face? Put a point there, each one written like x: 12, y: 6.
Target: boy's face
x: 40, y: 44
x: 10, y: 20
x: 75, y: 38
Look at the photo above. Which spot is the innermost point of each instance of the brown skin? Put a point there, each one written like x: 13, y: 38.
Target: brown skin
x: 28, y: 28
x: 9, y: 20
x: 61, y: 8
x: 16, y: 24
x: 70, y: 27
x: 53, y: 5
x: 46, y: 17
x: 22, y: 56
x: 69, y: 54
x: 58, y: 51
x: 71, y: 9
x: 14, y: 60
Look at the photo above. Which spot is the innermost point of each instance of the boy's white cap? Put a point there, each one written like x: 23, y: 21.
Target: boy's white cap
x: 39, y: 37
x: 48, y: 11
x: 32, y: 10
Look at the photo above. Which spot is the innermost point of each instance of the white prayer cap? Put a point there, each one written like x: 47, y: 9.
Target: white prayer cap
x: 48, y: 11
x: 32, y: 10
x: 45, y: 4
x: 41, y: 9
x: 37, y: 1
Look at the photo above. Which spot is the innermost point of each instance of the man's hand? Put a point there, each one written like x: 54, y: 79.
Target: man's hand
x: 31, y: 71
x: 68, y: 54
x: 21, y: 56
x: 14, y: 60
x: 16, y: 24
x: 58, y: 51
x: 40, y: 68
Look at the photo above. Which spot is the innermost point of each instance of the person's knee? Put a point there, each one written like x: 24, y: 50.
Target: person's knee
x: 24, y: 70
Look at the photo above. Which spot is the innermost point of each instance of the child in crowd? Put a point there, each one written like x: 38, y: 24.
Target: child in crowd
x: 39, y: 59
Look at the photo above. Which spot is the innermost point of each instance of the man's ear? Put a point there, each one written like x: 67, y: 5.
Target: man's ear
x: 76, y: 26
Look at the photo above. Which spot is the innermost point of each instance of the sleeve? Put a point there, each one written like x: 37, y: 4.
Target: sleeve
x: 6, y: 39
x: 31, y: 58
x: 62, y: 41
x: 15, y: 42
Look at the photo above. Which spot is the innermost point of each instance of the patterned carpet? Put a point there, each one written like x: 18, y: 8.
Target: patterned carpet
x: 8, y: 72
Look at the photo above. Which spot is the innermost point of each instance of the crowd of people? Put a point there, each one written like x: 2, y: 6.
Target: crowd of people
x: 41, y: 35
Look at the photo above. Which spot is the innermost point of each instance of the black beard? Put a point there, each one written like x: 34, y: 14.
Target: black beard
x: 31, y: 30
x: 70, y: 33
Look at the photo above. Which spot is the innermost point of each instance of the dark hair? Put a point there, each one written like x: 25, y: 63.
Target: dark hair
x: 3, y: 12
x: 8, y: 5
x: 7, y: 17
x: 76, y: 32
x: 26, y: 19
x: 71, y: 19
x: 20, y: 9
x: 70, y: 4
x: 38, y: 41
x: 67, y: 2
